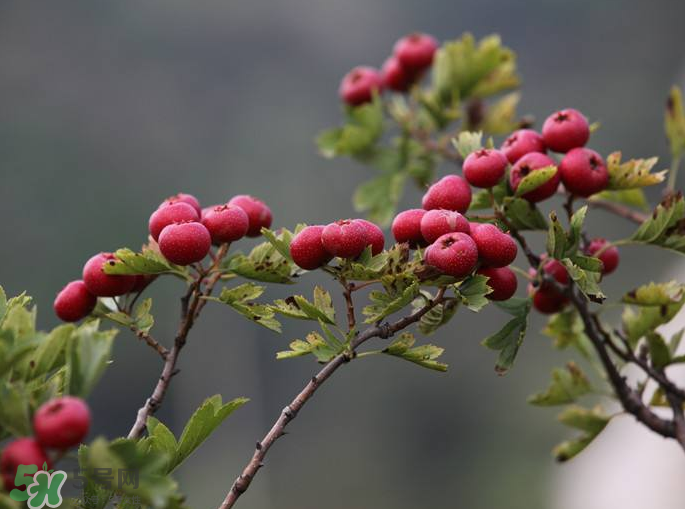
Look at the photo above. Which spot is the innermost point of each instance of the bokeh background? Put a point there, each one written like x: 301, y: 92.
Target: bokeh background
x: 108, y: 107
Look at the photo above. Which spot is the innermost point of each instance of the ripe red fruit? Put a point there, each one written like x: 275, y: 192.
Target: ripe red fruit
x: 226, y: 223
x: 608, y: 256
x: 437, y: 222
x: 547, y: 301
x: 62, y: 423
x: 74, y: 302
x: 257, y: 212
x: 584, y: 172
x: 485, y: 167
x: 307, y: 249
x: 406, y: 227
x: 170, y: 212
x: 395, y: 76
x: 374, y: 236
x: 565, y: 129
x: 529, y: 163
x: 104, y: 285
x: 495, y: 248
x: 522, y: 142
x: 358, y: 85
x: 185, y: 243
x: 345, y: 238
x: 450, y: 192
x: 546, y: 298
x: 185, y: 198
x: 454, y: 254
x: 415, y: 51
x: 503, y: 282
x: 23, y: 451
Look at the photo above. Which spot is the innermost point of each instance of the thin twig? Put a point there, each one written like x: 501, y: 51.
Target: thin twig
x: 152, y: 342
x: 349, y: 303
x: 619, y: 210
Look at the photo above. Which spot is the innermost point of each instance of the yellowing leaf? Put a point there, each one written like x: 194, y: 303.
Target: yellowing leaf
x: 632, y: 174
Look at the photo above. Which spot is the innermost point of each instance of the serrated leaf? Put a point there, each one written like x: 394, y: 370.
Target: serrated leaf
x: 666, y: 226
x: 280, y: 242
x: 473, y: 292
x: 632, y: 197
x: 315, y: 344
x: 508, y: 340
x: 423, y: 355
x: 148, y: 262
x: 378, y: 197
x: 556, y: 237
x: 44, y: 358
x: 363, y: 127
x: 87, y: 357
x: 523, y: 215
x: 568, y: 384
x: 299, y: 307
x: 535, y: 179
x: 468, y: 142
x: 435, y: 318
x: 632, y: 174
x: 658, y: 350
x: 265, y: 262
x: 500, y: 116
x: 646, y: 319
x: 240, y: 299
x: 655, y: 294
x: 587, y: 281
x: 674, y: 122
x: 385, y: 304
x: 591, y: 422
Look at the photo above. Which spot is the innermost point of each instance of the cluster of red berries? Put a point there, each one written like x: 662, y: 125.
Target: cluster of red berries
x: 315, y: 246
x: 59, y: 424
x: 184, y: 233
x: 411, y: 56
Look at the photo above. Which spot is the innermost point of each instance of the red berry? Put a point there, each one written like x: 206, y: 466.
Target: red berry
x: 437, y: 222
x: 345, y: 238
x: 451, y: 192
x: 485, y: 167
x: 406, y: 227
x: 495, y: 248
x: 62, y: 423
x: 503, y: 282
x: 185, y: 198
x: 23, y: 451
x: 142, y: 282
x: 395, y: 77
x: 583, y: 172
x: 415, y: 51
x: 307, y: 248
x: 104, y: 285
x: 226, y: 223
x: 565, y: 129
x: 608, y: 256
x: 547, y: 301
x: 74, y: 302
x: 257, y: 212
x: 531, y: 162
x: 170, y: 212
x: 522, y: 142
x: 204, y: 211
x: 374, y: 236
x: 454, y: 254
x: 185, y: 243
x: 358, y: 85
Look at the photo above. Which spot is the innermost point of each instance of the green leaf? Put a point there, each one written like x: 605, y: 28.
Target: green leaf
x: 631, y: 197
x: 424, y: 355
x: 316, y: 345
x: 3, y: 304
x: 361, y: 131
x: 435, y: 318
x: 591, y: 422
x: 658, y: 350
x: 14, y: 411
x: 632, y: 174
x: 665, y: 227
x: 299, y: 307
x: 45, y: 358
x: 160, y: 440
x: 385, y: 304
x: 655, y: 294
x: 266, y: 262
x: 674, y: 123
x: 240, y: 299
x: 587, y: 281
x: 379, y: 197
x: 567, y: 329
x: 468, y: 142
x: 523, y: 215
x: 501, y: 117
x: 87, y: 357
x: 280, y: 242
x: 508, y: 340
x: 535, y: 179
x: 473, y: 292
x: 556, y: 237
x: 147, y: 262
x: 568, y: 384
x: 647, y: 319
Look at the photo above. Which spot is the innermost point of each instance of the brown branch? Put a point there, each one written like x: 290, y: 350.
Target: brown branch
x: 152, y: 342
x: 348, y: 288
x: 619, y: 210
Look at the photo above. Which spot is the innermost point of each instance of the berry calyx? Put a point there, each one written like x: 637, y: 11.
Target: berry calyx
x: 358, y: 86
x: 104, y: 285
x: 584, y: 172
x: 527, y: 164
x: 395, y: 76
x: 185, y: 198
x: 307, y: 250
x: 522, y: 142
x: 185, y: 243
x: 62, y: 423
x: 226, y: 223
x: 23, y: 451
x: 454, y: 254
x: 74, y: 302
x: 485, y: 167
x: 495, y: 248
x: 565, y: 130
x: 168, y: 213
x: 374, y: 236
x: 406, y: 227
x: 416, y: 51
x: 257, y: 212
x: 609, y: 256
x: 345, y: 238
x: 437, y: 222
x: 451, y: 192
x: 503, y: 282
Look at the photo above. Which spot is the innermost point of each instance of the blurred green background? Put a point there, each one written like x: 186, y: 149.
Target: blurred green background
x: 109, y: 107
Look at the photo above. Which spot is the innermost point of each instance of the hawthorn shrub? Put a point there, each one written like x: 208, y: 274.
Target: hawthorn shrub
x: 457, y: 252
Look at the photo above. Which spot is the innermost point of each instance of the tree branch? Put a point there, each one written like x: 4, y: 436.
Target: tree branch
x: 619, y: 210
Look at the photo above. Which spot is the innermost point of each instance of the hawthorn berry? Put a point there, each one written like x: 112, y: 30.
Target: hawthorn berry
x: 358, y: 86
x: 609, y: 256
x: 527, y: 164
x: 74, y: 302
x: 345, y: 238
x: 495, y: 248
x: 226, y: 223
x: 437, y: 222
x: 451, y: 192
x: 170, y: 212
x: 406, y: 227
x: 104, y: 285
x: 502, y: 280
x: 307, y: 250
x: 454, y: 254
x: 547, y: 301
x: 416, y: 51
x: 22, y: 451
x: 584, y: 172
x: 554, y: 268
x: 565, y: 130
x: 485, y: 167
x: 374, y: 236
x: 395, y: 76
x: 62, y: 423
x: 185, y: 243
x: 185, y: 198
x: 522, y: 142
x: 257, y: 212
